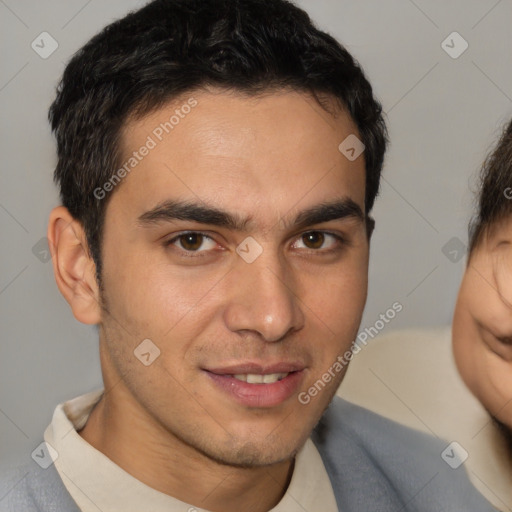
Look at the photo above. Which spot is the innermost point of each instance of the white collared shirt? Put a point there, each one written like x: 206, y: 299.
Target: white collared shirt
x: 99, y: 485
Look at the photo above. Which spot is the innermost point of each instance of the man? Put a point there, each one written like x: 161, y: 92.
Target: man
x: 218, y: 161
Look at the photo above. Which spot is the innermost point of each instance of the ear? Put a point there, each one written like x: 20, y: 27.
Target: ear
x: 74, y: 268
x: 502, y: 271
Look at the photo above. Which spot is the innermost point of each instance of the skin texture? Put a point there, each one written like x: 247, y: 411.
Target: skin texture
x: 482, y: 325
x: 264, y: 159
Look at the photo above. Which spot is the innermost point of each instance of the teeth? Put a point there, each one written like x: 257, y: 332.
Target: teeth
x: 253, y: 378
x: 273, y: 377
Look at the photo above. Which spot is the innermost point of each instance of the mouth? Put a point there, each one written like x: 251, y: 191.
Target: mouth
x: 257, y: 385
x: 254, y: 378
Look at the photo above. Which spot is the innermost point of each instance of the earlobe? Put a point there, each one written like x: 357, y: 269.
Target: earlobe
x: 74, y: 268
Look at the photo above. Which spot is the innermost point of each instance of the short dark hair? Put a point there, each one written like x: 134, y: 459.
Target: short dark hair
x: 495, y: 189
x: 170, y: 47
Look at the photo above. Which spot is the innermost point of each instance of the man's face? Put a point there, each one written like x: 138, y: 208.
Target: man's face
x: 482, y: 325
x: 180, y: 270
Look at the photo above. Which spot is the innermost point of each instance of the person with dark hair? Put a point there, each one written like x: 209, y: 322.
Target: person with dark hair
x: 482, y: 324
x: 218, y: 161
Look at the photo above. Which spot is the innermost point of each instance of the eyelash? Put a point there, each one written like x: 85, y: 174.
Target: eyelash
x: 341, y: 242
x: 184, y: 252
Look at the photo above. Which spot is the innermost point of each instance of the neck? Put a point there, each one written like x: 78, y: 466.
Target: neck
x: 137, y: 443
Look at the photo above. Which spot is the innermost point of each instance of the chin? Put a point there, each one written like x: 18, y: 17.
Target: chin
x: 251, y: 456
x: 251, y: 452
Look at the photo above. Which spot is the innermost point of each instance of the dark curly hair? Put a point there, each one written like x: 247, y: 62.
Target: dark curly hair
x: 495, y: 190
x: 170, y: 47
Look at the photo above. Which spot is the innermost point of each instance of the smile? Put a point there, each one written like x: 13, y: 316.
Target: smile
x: 254, y: 378
x: 258, y: 387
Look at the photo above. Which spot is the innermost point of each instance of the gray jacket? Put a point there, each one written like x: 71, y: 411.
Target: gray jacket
x: 374, y: 465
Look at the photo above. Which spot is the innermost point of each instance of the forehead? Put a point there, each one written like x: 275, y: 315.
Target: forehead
x: 492, y: 238
x: 227, y: 149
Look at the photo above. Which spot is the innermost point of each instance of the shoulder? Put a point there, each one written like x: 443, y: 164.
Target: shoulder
x: 345, y: 421
x: 410, y: 376
x: 372, y: 460
x: 33, y: 489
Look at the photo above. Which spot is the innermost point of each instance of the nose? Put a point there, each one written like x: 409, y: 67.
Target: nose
x: 263, y: 300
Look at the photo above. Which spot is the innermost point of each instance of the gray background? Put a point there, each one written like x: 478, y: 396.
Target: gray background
x: 443, y: 115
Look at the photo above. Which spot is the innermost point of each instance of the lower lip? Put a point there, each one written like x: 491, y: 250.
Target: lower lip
x: 258, y: 395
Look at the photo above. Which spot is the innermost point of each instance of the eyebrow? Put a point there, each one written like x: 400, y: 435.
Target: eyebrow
x: 172, y: 210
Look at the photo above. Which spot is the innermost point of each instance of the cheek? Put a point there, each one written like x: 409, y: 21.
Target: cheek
x: 468, y: 347
x: 349, y: 290
x: 487, y: 376
x: 468, y: 350
x: 460, y: 339
x: 338, y: 302
x: 153, y: 295
x: 345, y: 306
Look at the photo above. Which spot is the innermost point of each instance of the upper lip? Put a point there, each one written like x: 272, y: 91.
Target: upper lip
x: 257, y: 368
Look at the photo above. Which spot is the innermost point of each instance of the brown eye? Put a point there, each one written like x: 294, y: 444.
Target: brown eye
x: 319, y: 242
x: 313, y: 240
x: 191, y: 241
